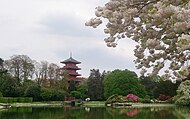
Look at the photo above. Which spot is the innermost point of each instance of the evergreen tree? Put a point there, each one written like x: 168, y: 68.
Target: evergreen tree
x: 95, y: 85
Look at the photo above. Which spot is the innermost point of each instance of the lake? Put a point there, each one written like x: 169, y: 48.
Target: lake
x: 95, y: 113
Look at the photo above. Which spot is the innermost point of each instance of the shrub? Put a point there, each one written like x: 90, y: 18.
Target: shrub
x: 14, y: 100
x: 76, y: 94
x: 131, y: 97
x: 144, y: 100
x: 59, y: 95
x: 163, y: 97
x: 33, y: 91
x: 115, y: 98
x: 46, y: 94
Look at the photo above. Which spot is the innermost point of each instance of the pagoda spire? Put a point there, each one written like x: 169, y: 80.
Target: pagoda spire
x: 70, y: 54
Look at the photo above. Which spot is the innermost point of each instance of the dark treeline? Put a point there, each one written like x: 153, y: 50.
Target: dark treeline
x: 20, y: 76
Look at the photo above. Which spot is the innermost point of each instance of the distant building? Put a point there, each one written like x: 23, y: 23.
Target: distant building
x: 70, y: 69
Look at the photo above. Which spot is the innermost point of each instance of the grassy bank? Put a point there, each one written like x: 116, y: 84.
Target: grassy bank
x: 90, y: 104
x: 34, y: 104
x: 94, y: 103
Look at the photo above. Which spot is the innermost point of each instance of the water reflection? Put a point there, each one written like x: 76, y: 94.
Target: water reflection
x: 132, y: 113
x: 95, y: 113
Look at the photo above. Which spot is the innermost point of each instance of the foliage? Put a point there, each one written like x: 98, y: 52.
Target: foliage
x: 21, y: 67
x: 33, y: 91
x: 9, y: 87
x: 163, y: 97
x: 27, y: 83
x: 160, y: 28
x: 95, y: 85
x: 150, y: 84
x: 46, y: 94
x: 72, y: 86
x: 123, y: 83
x: 115, y: 98
x: 76, y: 94
x: 82, y: 88
x: 20, y: 80
x: 15, y: 99
x: 166, y: 87
x: 58, y: 95
x: 1, y: 95
x: 144, y: 100
x: 183, y: 94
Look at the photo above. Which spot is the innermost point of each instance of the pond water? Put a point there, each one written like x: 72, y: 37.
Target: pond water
x: 95, y: 113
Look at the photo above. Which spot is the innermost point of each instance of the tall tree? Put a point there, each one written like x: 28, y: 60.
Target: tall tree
x: 21, y: 67
x: 41, y: 73
x: 53, y: 73
x: 9, y: 87
x: 3, y: 74
x: 38, y: 73
x: 161, y: 29
x: 2, y: 69
x: 1, y: 63
x: 95, y: 85
x: 150, y: 84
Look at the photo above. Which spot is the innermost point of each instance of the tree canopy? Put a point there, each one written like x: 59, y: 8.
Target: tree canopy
x: 123, y: 83
x: 161, y: 29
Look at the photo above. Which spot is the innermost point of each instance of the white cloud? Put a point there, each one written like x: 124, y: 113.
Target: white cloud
x: 51, y: 29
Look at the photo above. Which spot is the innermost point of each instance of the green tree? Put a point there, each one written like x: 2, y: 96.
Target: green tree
x: 46, y: 94
x: 27, y: 83
x: 9, y: 87
x: 3, y: 73
x: 166, y: 87
x: 95, y: 85
x: 76, y: 94
x: 58, y: 95
x: 150, y: 84
x: 33, y: 91
x: 83, y: 88
x: 123, y: 83
x: 72, y: 86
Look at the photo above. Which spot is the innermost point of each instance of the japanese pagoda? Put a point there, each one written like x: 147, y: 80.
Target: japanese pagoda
x: 71, y: 70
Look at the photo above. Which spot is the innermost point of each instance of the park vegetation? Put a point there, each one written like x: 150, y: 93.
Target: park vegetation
x: 21, y: 77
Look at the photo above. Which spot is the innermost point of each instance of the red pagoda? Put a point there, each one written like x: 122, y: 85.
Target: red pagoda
x: 71, y: 69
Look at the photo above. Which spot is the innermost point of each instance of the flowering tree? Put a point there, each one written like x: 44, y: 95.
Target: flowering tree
x: 161, y: 29
x: 183, y: 94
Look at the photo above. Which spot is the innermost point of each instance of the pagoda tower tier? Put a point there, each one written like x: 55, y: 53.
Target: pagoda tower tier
x: 71, y: 69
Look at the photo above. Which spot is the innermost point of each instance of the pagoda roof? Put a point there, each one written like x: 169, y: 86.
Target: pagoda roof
x: 71, y: 60
x: 71, y: 67
x: 74, y: 74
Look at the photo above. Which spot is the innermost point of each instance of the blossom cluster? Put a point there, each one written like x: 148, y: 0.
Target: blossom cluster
x: 161, y: 29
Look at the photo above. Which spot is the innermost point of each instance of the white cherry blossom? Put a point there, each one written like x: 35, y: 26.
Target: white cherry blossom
x: 161, y: 29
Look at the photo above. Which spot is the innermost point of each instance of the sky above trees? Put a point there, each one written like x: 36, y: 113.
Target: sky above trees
x: 51, y: 29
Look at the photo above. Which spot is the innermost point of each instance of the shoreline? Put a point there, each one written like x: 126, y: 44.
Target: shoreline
x: 88, y: 104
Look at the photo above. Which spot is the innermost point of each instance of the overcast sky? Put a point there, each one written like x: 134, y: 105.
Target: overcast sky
x: 50, y: 29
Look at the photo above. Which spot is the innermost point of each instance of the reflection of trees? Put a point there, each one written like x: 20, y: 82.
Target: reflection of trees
x: 164, y: 113
x: 182, y: 112
x: 96, y: 113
